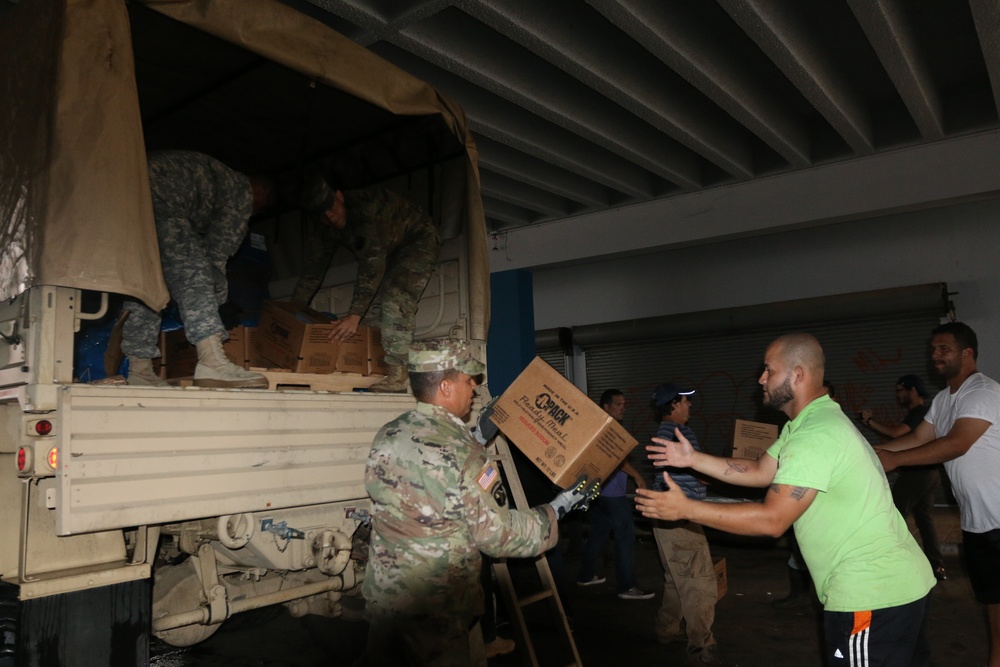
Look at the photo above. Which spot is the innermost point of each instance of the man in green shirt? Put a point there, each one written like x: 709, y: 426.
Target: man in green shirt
x: 824, y: 478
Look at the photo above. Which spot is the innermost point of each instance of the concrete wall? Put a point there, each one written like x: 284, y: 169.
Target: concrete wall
x: 957, y: 244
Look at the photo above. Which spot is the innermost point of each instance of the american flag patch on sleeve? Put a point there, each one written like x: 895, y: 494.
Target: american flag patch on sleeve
x: 488, y: 477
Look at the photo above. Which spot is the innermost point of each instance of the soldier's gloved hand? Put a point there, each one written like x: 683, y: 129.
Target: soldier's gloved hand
x: 577, y: 496
x: 485, y: 430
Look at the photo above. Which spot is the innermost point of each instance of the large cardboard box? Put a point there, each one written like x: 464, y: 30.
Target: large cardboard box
x: 562, y: 431
x: 751, y: 439
x: 722, y: 584
x: 376, y: 353
x: 180, y: 357
x: 253, y: 356
x: 297, y: 338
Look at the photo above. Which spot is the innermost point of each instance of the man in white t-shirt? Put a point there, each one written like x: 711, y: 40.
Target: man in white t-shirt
x: 962, y: 430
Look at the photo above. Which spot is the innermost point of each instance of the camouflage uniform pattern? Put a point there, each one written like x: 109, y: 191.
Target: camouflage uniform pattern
x: 201, y: 208
x: 437, y: 503
x: 396, y: 245
x: 441, y: 354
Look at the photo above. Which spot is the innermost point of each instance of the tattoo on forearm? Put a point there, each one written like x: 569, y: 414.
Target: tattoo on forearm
x: 798, y: 492
x: 735, y: 467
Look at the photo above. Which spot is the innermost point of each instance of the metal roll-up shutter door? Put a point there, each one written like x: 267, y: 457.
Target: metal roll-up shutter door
x: 554, y: 358
x: 863, y: 361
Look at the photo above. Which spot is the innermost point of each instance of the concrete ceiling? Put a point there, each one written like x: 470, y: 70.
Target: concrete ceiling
x: 584, y: 107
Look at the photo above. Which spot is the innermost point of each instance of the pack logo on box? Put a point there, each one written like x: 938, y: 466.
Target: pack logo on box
x: 562, y: 431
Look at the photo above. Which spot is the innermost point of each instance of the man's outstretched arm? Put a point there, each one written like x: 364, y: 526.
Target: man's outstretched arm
x: 741, y: 472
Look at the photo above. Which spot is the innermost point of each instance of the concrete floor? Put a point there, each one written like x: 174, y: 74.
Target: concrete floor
x: 610, y: 632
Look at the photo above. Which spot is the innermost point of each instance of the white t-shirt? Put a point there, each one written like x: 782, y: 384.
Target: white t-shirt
x: 975, y: 476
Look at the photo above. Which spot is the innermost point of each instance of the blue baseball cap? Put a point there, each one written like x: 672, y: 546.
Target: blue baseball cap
x: 667, y: 392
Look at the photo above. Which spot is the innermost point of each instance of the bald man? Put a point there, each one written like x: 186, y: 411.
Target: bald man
x: 823, y: 477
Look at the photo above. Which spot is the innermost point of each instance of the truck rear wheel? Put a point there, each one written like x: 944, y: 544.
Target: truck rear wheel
x: 109, y: 625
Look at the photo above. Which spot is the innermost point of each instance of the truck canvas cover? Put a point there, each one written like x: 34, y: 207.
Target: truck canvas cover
x: 255, y: 83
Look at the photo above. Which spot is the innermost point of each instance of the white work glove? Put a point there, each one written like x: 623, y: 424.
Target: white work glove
x: 577, y: 496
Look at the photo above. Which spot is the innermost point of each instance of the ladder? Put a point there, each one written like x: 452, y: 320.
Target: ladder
x: 515, y: 604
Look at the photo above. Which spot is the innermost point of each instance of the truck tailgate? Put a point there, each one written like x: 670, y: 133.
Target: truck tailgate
x: 140, y: 456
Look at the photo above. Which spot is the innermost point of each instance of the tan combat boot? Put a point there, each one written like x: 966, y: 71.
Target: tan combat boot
x: 215, y: 370
x: 395, y: 382
x: 140, y: 373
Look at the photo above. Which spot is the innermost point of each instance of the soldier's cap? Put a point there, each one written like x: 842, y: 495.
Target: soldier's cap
x: 441, y: 354
x: 316, y: 196
x: 667, y: 392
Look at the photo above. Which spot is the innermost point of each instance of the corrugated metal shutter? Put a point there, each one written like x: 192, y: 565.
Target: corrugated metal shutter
x: 864, y: 358
x: 555, y: 358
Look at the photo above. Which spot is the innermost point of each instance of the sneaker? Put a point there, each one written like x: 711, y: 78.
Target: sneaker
x: 709, y: 655
x: 593, y: 582
x: 940, y: 574
x: 635, y: 594
x: 500, y: 646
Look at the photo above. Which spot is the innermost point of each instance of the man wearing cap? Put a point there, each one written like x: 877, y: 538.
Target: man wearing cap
x: 822, y: 476
x: 690, y: 590
x: 395, y: 244
x: 437, y: 502
x: 915, y: 485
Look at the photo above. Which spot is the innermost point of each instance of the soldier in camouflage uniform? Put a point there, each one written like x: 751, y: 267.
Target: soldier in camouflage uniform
x: 395, y: 244
x: 201, y: 209
x: 438, y: 501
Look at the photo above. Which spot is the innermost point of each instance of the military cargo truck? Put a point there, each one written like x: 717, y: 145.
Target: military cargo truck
x: 227, y: 499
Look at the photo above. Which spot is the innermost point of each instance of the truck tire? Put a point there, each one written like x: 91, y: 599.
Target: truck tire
x: 103, y: 626
x: 9, y: 607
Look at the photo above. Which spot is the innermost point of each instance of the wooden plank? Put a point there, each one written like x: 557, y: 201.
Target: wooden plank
x: 283, y: 380
x: 280, y: 379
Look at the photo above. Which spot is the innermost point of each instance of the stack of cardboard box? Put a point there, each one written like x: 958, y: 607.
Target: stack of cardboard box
x: 296, y: 338
x: 290, y: 337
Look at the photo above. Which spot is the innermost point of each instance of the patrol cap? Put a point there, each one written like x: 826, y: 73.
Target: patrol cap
x: 667, y: 392
x: 441, y: 354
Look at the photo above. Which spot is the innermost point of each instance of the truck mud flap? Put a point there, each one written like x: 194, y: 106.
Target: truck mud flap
x: 104, y: 626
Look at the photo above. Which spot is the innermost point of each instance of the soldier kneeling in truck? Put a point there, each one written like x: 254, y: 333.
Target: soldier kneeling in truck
x: 201, y: 208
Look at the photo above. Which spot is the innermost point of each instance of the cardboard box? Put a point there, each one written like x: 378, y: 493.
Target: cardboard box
x: 719, y: 565
x: 180, y: 357
x: 253, y: 356
x: 376, y: 354
x: 297, y: 338
x: 751, y: 439
x: 559, y: 428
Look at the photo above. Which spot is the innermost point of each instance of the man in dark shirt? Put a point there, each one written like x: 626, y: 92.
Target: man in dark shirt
x: 915, y: 486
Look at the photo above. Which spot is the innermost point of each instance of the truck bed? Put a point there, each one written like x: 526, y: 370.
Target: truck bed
x: 140, y: 456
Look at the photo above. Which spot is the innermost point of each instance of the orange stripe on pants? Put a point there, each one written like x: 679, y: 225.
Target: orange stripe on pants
x: 862, y: 621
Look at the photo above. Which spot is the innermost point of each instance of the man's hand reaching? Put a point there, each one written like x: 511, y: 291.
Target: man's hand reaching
x: 678, y: 454
x: 666, y: 505
x: 344, y: 328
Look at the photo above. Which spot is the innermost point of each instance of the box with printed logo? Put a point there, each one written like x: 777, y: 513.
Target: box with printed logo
x: 562, y: 431
x: 296, y: 338
x: 751, y: 439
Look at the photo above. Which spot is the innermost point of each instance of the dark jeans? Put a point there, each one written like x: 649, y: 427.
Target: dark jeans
x: 611, y: 516
x: 914, y: 492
